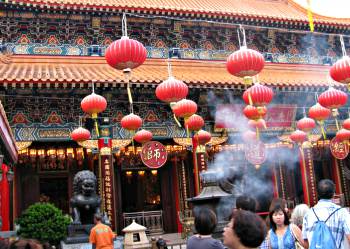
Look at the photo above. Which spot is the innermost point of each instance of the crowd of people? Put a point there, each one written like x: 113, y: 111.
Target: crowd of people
x: 324, y: 226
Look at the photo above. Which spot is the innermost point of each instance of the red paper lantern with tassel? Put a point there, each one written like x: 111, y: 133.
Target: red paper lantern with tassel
x: 258, y: 95
x: 298, y: 136
x: 343, y: 134
x: 93, y: 104
x: 185, y: 108
x: 346, y: 124
x: 255, y: 113
x: 171, y: 90
x: 194, y: 123
x: 125, y: 53
x: 80, y: 134
x: 340, y: 71
x: 202, y: 137
x: 143, y: 136
x: 306, y: 124
x: 333, y: 98
x: 131, y: 122
x: 245, y: 62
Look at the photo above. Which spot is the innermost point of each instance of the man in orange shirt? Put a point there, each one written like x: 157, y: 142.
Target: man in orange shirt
x: 101, y: 235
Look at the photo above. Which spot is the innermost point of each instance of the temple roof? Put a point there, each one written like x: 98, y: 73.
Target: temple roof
x: 69, y: 71
x: 286, y: 10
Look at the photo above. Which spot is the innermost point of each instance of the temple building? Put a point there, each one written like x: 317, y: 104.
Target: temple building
x: 52, y: 54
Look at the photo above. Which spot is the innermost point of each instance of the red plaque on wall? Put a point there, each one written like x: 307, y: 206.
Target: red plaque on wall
x: 255, y: 153
x: 339, y: 150
x: 154, y: 154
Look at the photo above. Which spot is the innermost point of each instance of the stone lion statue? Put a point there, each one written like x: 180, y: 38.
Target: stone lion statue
x: 85, y: 202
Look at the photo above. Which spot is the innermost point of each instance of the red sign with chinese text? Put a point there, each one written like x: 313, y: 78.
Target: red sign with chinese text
x: 255, y: 153
x: 154, y: 154
x: 231, y: 115
x: 339, y: 150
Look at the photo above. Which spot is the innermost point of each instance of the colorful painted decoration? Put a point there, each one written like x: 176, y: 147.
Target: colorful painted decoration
x: 154, y: 154
x: 143, y: 136
x: 125, y: 53
x: 93, y: 104
x: 131, y: 122
x: 171, y: 90
x: 258, y: 95
x: 245, y: 62
x: 80, y: 134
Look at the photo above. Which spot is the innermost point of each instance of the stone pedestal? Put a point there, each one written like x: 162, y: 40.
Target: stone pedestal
x: 78, y: 233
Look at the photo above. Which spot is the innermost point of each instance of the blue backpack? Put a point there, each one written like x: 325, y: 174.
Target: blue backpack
x: 322, y: 237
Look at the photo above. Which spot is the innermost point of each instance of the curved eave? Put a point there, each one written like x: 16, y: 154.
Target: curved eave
x: 300, y: 16
x: 70, y: 71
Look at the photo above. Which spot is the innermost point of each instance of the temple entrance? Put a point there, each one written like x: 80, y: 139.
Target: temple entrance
x: 141, y: 191
x: 55, y: 191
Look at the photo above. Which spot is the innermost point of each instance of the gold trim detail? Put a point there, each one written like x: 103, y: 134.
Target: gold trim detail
x: 23, y: 145
x: 188, y: 141
x: 116, y: 143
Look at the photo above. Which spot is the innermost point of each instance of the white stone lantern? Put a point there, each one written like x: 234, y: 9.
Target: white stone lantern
x: 135, y: 236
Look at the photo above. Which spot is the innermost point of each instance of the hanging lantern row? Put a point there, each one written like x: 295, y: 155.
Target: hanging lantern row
x: 340, y: 71
x: 319, y: 114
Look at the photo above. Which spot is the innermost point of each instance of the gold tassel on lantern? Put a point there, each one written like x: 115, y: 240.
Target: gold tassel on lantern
x: 322, y: 129
x: 335, y: 113
x: 309, y: 15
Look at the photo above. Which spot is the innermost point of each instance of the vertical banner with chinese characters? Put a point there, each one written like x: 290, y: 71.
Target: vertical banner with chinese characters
x: 107, y: 174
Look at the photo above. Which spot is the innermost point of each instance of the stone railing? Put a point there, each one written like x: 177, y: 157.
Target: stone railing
x: 152, y: 220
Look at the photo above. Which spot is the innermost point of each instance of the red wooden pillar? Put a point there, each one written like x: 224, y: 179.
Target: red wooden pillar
x: 336, y: 175
x: 274, y: 181
x: 5, y: 199
x: 177, y: 193
x: 195, y: 167
x: 308, y: 176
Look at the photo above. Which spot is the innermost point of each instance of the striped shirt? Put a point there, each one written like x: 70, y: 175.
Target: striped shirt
x: 338, y: 223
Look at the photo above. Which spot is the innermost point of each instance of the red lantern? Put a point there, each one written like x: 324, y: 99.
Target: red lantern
x: 255, y: 113
x: 342, y: 135
x: 258, y: 95
x: 202, y: 137
x: 306, y: 124
x: 340, y: 71
x: 346, y: 124
x: 194, y: 123
x: 93, y: 104
x: 125, y: 53
x: 131, y: 122
x: 333, y: 98
x: 171, y: 90
x: 185, y: 108
x: 143, y: 136
x: 249, y: 136
x: 80, y: 134
x: 257, y: 124
x: 298, y: 136
x: 245, y: 62
x: 318, y: 112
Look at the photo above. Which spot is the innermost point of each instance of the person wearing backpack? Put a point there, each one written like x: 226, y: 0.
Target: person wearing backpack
x: 326, y: 224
